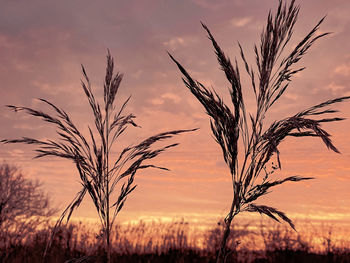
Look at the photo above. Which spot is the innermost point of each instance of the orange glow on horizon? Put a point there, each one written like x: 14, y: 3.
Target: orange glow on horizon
x: 42, y: 60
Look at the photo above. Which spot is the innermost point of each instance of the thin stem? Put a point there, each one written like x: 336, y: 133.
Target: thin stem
x: 221, y: 258
x: 107, y: 186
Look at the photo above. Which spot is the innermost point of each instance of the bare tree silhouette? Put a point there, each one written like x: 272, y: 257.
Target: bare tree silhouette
x: 99, y: 175
x: 251, y: 179
x: 24, y: 206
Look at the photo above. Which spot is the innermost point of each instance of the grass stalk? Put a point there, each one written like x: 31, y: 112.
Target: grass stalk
x: 91, y: 155
x: 232, y: 125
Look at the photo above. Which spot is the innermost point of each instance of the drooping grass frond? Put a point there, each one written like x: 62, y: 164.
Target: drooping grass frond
x: 270, y: 212
x: 99, y: 175
x: 269, y: 81
x: 224, y: 123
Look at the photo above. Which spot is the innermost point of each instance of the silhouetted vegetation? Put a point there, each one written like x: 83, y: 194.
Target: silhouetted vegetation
x: 100, y: 173
x: 176, y: 242
x: 238, y: 131
x: 24, y: 207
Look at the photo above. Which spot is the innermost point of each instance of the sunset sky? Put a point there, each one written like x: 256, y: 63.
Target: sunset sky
x: 43, y: 44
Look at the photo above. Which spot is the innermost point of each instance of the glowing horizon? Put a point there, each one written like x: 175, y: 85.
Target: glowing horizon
x: 41, y: 58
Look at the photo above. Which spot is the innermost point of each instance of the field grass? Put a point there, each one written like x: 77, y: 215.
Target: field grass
x: 180, y: 241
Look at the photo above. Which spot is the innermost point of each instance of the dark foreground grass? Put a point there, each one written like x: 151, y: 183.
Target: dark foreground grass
x: 177, y: 242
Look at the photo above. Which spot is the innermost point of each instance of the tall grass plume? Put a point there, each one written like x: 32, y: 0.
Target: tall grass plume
x: 251, y: 178
x: 100, y: 175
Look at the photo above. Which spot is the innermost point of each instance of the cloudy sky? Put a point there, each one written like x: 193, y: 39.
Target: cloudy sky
x: 43, y: 44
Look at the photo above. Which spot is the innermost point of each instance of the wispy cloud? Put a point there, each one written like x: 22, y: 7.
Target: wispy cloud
x: 343, y: 69
x: 166, y: 96
x: 240, y: 22
x: 177, y: 42
x: 335, y: 87
x: 174, y: 43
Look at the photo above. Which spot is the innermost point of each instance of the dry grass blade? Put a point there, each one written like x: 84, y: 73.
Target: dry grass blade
x: 224, y: 122
x: 261, y: 189
x: 270, y: 212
